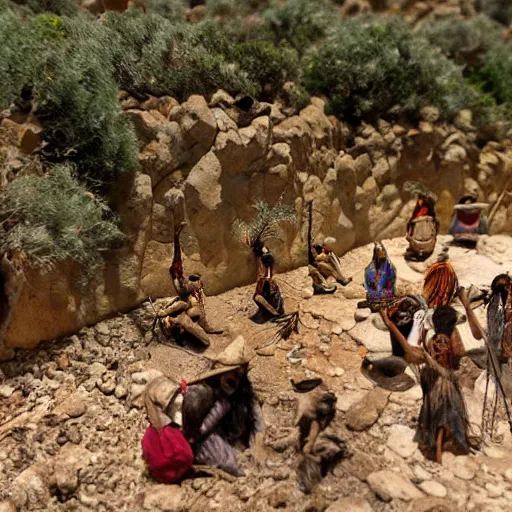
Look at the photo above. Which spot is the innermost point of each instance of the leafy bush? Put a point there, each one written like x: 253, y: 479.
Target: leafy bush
x: 300, y: 22
x: 65, y: 66
x: 268, y: 66
x: 464, y: 41
x: 372, y: 67
x: 156, y: 57
x: 24, y: 46
x: 297, y: 96
x: 77, y: 102
x: 171, y: 9
x: 60, y: 7
x: 495, y: 76
x: 54, y: 218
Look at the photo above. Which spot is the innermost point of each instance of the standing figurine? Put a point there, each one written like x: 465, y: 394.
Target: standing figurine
x: 443, y: 423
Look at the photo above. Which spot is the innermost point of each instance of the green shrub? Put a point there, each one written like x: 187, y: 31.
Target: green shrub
x: 154, y: 56
x: 171, y: 9
x: 65, y: 66
x: 297, y: 97
x: 268, y: 66
x: 24, y: 47
x: 374, y: 67
x: 464, y: 41
x: 60, y: 7
x: 54, y: 219
x: 300, y: 22
x: 495, y: 76
x: 77, y: 102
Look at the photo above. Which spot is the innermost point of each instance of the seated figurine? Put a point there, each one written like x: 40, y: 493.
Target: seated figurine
x: 380, y: 275
x: 323, y: 262
x: 469, y: 221
x: 267, y: 294
x: 186, y: 312
x: 422, y: 230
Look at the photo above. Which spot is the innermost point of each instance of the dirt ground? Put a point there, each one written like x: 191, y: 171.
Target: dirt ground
x: 71, y: 420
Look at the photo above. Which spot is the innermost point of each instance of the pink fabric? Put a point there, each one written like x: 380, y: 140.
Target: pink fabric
x: 167, y: 453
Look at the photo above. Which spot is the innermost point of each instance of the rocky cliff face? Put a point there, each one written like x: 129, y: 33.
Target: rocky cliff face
x: 207, y: 164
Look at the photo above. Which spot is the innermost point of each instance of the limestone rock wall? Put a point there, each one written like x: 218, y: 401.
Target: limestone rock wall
x: 203, y: 163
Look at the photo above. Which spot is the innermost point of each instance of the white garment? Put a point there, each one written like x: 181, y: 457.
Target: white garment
x: 469, y: 342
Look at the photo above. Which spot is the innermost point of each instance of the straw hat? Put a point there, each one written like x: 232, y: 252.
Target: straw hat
x: 471, y: 206
x: 163, y: 402
x: 415, y: 188
x: 232, y: 357
x: 329, y: 243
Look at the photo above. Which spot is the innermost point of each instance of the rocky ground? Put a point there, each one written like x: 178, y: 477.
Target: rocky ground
x: 71, y: 421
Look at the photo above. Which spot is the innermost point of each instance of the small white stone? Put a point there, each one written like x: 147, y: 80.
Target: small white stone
x: 494, y: 453
x: 336, y: 329
x: 307, y: 293
x: 362, y: 314
x: 433, y: 488
x: 6, y: 391
x: 401, y: 440
x: 421, y: 473
x: 339, y: 371
x: 494, y: 491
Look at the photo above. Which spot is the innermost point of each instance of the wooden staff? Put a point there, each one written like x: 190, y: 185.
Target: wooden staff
x: 498, y: 202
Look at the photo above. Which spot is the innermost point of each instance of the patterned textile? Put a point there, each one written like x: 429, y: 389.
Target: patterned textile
x: 379, y: 282
x: 214, y: 450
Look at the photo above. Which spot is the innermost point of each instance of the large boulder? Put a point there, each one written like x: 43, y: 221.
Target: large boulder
x: 198, y: 127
